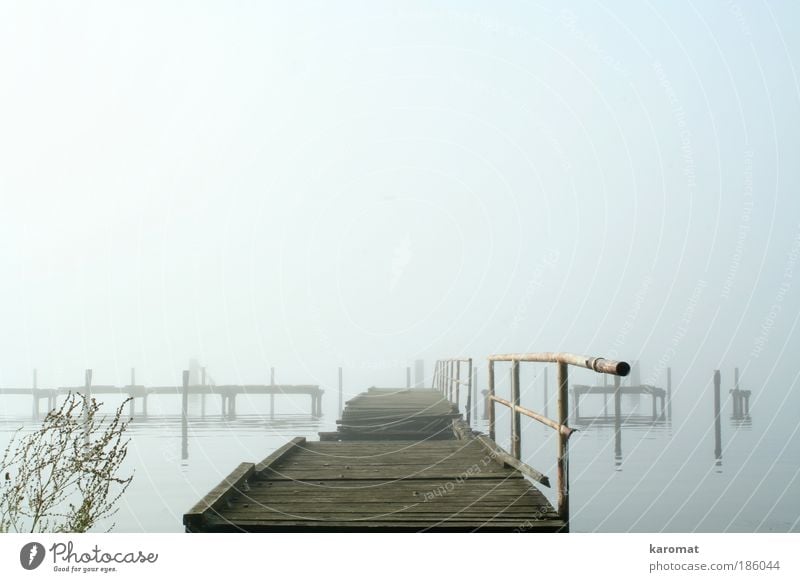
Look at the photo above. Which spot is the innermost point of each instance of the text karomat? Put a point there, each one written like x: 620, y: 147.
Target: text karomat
x: 674, y: 549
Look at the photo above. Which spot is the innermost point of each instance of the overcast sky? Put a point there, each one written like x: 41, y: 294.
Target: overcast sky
x: 304, y: 186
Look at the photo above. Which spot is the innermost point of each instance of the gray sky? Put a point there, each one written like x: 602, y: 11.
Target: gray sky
x: 305, y: 186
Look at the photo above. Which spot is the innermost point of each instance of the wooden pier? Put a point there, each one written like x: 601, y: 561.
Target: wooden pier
x: 401, y: 460
x: 424, y: 476
x: 227, y: 393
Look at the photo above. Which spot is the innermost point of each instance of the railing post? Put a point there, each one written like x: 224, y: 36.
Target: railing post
x: 516, y: 437
x: 563, y: 459
x: 490, y: 370
x: 470, y: 396
x: 546, y: 398
x: 458, y: 383
x: 450, y: 375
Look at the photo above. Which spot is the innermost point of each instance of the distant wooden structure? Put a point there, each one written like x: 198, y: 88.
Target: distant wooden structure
x: 658, y: 396
x: 403, y: 460
x: 228, y: 393
x: 740, y: 398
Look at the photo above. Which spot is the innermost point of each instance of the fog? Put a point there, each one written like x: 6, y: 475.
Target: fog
x: 306, y: 186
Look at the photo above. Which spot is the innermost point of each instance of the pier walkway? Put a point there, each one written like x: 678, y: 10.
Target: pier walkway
x: 423, y: 477
x: 402, y: 460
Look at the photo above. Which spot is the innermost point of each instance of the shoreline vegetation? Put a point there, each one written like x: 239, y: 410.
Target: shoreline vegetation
x: 65, y: 476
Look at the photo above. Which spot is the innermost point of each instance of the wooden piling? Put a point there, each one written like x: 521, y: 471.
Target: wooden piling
x: 35, y: 396
x: 717, y: 423
x: 272, y: 396
x: 87, y: 394
x: 185, y: 417
x: 669, y: 393
x: 132, y: 393
x: 203, y: 395
x: 408, y: 377
x: 185, y: 395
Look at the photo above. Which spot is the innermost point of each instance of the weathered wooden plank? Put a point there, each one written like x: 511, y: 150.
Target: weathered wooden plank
x: 279, y: 454
x: 413, y: 466
x: 215, y: 498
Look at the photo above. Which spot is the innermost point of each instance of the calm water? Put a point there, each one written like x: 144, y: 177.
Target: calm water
x: 653, y: 476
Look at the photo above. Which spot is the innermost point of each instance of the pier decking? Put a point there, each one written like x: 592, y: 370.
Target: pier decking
x: 402, y: 460
x: 405, y: 460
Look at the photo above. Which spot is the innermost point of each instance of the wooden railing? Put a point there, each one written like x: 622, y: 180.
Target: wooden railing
x: 447, y: 379
x: 560, y: 425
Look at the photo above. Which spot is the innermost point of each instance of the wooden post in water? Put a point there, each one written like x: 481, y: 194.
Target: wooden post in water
x: 617, y: 424
x: 87, y: 395
x: 408, y: 377
x: 132, y: 393
x: 516, y: 433
x: 203, y: 393
x: 341, y: 393
x: 272, y: 396
x: 717, y: 423
x: 185, y: 417
x: 605, y: 395
x: 669, y: 393
x: 489, y: 400
x: 738, y: 404
x: 563, y: 458
x: 653, y: 399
